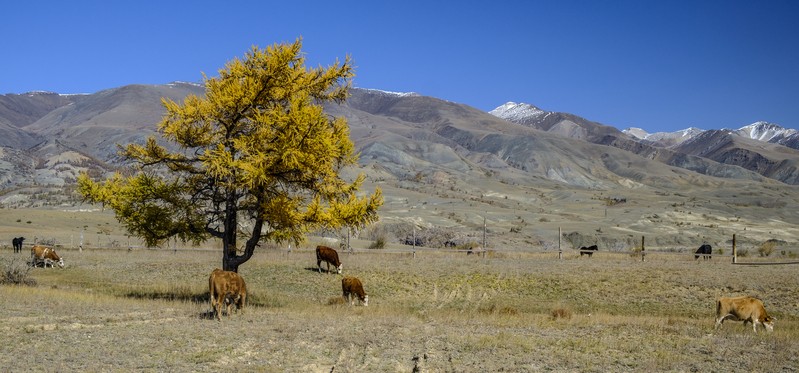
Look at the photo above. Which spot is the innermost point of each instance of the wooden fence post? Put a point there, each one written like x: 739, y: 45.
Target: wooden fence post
x: 560, y: 251
x: 734, y: 250
x: 643, y: 249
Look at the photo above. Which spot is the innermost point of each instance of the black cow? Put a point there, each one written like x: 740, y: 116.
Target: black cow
x: 704, y: 251
x: 588, y: 250
x: 17, y: 243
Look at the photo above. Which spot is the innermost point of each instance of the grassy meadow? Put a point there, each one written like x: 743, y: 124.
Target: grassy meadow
x: 148, y: 310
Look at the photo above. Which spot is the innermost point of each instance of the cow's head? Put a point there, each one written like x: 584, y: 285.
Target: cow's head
x: 339, y: 268
x: 768, y: 322
x: 52, y: 255
x: 365, y: 300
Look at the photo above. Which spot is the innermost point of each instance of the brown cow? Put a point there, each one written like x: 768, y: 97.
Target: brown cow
x: 328, y: 255
x: 352, y: 286
x: 746, y: 309
x: 46, y: 256
x: 227, y: 288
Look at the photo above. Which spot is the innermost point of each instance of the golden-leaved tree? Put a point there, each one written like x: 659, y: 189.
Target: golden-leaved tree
x: 256, y: 159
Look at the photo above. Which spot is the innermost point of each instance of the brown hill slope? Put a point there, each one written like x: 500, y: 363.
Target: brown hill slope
x: 771, y: 160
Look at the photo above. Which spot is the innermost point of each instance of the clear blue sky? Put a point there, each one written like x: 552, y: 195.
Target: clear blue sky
x: 659, y: 65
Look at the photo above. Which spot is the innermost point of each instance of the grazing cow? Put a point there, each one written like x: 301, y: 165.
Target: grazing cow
x: 352, y: 286
x: 588, y: 250
x: 704, y: 251
x: 226, y: 288
x: 328, y: 255
x: 46, y: 256
x: 746, y: 309
x: 17, y: 243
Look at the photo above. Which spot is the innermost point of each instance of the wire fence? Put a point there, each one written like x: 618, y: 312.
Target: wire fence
x: 643, y: 253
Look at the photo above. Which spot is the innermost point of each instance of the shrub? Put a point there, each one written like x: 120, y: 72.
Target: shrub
x: 743, y: 253
x: 766, y: 248
x: 16, y: 273
x: 379, y: 243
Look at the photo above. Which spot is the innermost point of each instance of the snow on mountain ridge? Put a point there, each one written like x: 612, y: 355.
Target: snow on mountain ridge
x: 636, y: 132
x: 764, y: 131
x: 678, y: 136
x: 390, y: 93
x: 516, y: 112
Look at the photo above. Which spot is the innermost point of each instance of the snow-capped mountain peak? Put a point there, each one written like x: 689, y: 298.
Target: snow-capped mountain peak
x: 516, y: 112
x: 764, y: 131
x: 636, y: 132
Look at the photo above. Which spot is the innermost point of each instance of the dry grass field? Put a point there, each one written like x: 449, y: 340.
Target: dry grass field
x: 147, y: 310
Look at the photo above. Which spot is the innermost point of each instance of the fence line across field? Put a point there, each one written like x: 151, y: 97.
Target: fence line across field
x: 558, y: 252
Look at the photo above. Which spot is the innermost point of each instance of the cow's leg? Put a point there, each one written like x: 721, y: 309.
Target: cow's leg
x: 217, y: 305
x: 754, y: 323
x: 213, y: 303
x: 319, y: 265
x: 230, y: 300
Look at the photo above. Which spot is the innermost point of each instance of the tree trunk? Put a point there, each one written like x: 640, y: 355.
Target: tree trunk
x: 229, y: 253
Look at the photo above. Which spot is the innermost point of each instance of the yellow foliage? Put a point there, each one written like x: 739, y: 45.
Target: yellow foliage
x: 257, y: 146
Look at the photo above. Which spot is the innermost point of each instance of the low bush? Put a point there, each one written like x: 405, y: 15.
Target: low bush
x: 766, y: 248
x: 17, y: 273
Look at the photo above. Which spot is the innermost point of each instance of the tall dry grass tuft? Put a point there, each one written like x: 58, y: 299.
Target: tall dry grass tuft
x: 336, y: 301
x: 561, y: 313
x: 493, y: 309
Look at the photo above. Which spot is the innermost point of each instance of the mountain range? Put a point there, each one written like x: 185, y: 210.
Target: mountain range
x: 445, y: 164
x: 759, y: 147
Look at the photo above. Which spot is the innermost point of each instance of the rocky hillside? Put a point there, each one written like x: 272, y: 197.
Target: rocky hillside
x: 763, y: 148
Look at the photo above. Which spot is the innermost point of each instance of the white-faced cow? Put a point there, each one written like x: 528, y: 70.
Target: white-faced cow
x: 746, y: 309
x: 588, y: 250
x: 17, y: 243
x: 352, y: 288
x: 226, y: 288
x: 45, y: 256
x: 328, y: 255
x: 705, y: 250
